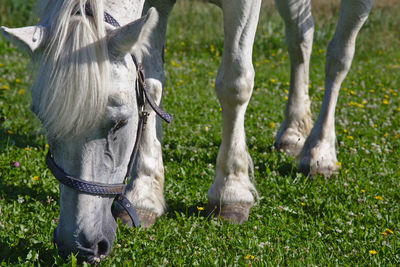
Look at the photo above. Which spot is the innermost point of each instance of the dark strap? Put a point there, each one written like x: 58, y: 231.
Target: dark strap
x: 127, y: 205
x: 80, y: 185
x: 141, y: 125
x: 142, y: 83
x: 88, y: 11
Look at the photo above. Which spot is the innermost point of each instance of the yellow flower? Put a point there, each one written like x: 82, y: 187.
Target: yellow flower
x: 385, y: 101
x: 338, y: 163
x: 363, y: 191
x: 372, y: 91
x: 272, y: 80
x: 302, y: 203
x: 35, y: 178
x: 46, y: 146
x: 17, y: 80
x: 212, y: 49
x: 249, y: 257
x: 271, y: 125
x: 397, y: 109
x: 200, y: 208
x: 350, y: 137
x: 5, y: 87
x: 344, y: 130
x: 173, y: 63
x: 355, y: 104
x: 378, y: 198
x: 10, y: 132
x: 389, y: 231
x: 21, y: 91
x: 372, y: 252
x: 384, y: 233
x: 27, y: 148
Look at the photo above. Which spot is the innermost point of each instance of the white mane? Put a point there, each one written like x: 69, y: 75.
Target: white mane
x: 69, y: 93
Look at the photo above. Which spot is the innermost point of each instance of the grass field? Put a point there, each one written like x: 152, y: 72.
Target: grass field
x: 350, y: 219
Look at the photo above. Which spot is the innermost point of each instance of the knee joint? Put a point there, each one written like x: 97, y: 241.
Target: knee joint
x: 338, y: 58
x: 236, y: 89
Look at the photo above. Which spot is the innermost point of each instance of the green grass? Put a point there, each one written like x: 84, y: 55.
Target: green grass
x: 334, y: 221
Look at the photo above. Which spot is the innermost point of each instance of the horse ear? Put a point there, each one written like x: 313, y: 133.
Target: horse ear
x: 28, y: 39
x: 121, y: 40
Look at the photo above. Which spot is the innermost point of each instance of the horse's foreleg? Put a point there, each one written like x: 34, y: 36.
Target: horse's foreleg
x: 319, y: 153
x: 299, y: 38
x: 146, y: 189
x: 231, y: 194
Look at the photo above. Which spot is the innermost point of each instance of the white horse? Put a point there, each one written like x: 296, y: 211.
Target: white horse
x: 84, y: 94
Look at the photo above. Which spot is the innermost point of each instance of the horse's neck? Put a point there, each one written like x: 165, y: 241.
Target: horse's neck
x: 124, y: 11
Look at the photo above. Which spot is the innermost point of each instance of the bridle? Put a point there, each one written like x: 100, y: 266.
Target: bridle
x: 117, y: 190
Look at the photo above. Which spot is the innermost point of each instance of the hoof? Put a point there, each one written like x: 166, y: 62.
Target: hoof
x: 236, y: 213
x: 290, y: 149
x: 290, y: 139
x: 290, y: 142
x: 146, y: 217
x: 326, y: 170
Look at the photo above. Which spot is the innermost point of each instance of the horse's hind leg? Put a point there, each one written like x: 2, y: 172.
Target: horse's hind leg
x: 319, y: 153
x: 299, y: 27
x: 231, y: 194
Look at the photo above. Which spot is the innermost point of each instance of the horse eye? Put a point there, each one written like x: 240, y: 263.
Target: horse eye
x: 119, y: 125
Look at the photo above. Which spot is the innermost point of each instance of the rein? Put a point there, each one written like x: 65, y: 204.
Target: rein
x: 117, y: 190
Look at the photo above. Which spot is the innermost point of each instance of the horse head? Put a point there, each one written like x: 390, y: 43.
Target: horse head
x: 84, y: 94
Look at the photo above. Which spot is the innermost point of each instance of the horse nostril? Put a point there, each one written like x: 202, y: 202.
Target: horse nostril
x: 103, y: 248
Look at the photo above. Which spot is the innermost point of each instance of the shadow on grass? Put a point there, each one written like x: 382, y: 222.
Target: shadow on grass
x: 19, y: 140
x: 175, y: 207
x: 288, y: 169
x: 11, y: 192
x: 20, y: 252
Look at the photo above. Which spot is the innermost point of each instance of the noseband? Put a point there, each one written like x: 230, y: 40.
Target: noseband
x: 117, y: 190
